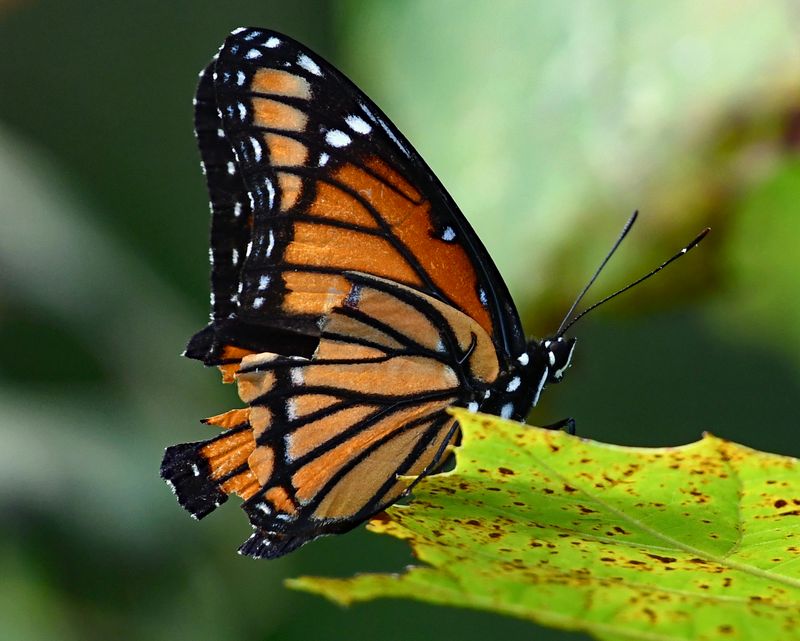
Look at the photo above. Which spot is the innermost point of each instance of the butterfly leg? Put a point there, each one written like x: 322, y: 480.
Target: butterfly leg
x: 565, y: 424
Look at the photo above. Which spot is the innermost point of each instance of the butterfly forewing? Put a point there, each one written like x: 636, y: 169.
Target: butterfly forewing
x: 335, y: 187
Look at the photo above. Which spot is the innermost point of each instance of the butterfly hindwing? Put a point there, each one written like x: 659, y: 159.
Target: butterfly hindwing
x: 325, y: 439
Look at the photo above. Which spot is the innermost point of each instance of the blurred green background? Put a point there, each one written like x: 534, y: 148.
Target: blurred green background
x: 549, y: 123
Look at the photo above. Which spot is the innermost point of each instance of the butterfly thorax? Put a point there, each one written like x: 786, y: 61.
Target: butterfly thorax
x: 518, y: 388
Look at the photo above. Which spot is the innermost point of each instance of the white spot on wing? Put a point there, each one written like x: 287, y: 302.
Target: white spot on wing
x: 210, y: 255
x: 242, y: 111
x: 552, y: 358
x: 291, y: 409
x: 195, y: 469
x: 258, y: 302
x: 270, y: 242
x: 482, y: 297
x: 272, y: 42
x: 513, y: 384
x: 231, y: 168
x: 523, y: 359
x: 249, y: 248
x: 507, y: 410
x: 472, y: 407
x: 448, y: 234
x: 323, y: 159
x: 271, y: 193
x: 358, y: 124
x: 237, y: 209
x: 257, y: 150
x: 252, y: 54
x: 308, y: 64
x: 235, y: 256
x: 297, y: 375
x: 336, y: 138
x: 240, y: 78
x: 263, y: 282
x: 238, y: 30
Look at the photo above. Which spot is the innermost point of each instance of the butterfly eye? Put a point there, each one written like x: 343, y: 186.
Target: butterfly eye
x: 559, y: 354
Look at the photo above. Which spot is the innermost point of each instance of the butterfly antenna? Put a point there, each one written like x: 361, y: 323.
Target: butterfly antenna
x: 563, y: 327
x: 682, y: 252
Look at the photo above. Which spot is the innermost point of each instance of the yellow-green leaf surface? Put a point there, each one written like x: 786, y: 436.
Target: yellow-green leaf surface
x: 694, y: 542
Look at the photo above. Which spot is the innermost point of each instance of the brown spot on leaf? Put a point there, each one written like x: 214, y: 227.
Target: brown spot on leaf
x: 663, y: 559
x: 569, y: 488
x: 505, y: 471
x: 780, y: 503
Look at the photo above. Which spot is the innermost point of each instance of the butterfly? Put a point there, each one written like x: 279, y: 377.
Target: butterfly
x: 351, y: 303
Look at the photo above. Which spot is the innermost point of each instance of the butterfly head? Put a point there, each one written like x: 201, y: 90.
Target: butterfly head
x: 556, y: 355
x: 546, y: 361
x: 543, y: 363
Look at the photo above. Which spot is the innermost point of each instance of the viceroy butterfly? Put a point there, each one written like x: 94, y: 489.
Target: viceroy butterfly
x: 351, y: 302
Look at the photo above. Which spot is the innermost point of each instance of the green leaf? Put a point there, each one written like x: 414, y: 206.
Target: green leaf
x: 694, y: 542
